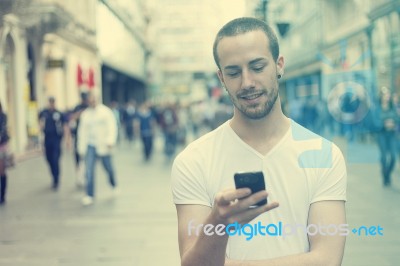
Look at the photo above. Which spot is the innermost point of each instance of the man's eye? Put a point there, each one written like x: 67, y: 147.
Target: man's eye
x: 258, y: 69
x: 233, y: 74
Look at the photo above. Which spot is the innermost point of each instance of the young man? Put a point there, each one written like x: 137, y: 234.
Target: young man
x: 305, y: 175
x: 97, y: 135
x: 54, y: 126
x: 74, y: 124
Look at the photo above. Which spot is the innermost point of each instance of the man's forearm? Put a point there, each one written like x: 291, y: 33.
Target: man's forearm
x: 207, y: 250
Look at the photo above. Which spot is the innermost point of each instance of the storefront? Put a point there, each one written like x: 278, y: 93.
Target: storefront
x: 13, y: 80
x: 386, y: 44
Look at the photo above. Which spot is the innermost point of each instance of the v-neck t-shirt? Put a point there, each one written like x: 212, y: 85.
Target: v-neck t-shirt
x: 301, y: 168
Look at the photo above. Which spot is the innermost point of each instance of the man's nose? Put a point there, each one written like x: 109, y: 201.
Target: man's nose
x: 247, y: 79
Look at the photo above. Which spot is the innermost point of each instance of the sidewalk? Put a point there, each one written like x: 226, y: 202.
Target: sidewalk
x: 41, y: 227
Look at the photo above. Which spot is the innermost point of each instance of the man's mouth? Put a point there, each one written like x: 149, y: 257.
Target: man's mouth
x: 251, y: 96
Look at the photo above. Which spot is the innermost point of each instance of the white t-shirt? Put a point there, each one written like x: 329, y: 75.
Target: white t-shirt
x: 301, y: 169
x: 98, y: 128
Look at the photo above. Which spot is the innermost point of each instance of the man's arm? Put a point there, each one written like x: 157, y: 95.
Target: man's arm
x: 324, y: 249
x: 66, y: 131
x: 197, y: 248
x: 112, y: 129
x: 82, y: 135
x: 41, y: 120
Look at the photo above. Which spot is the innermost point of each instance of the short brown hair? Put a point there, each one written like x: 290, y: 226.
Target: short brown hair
x: 244, y: 25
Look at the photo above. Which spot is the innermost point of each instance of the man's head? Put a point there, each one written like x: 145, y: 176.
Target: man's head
x: 84, y: 98
x: 93, y: 98
x: 247, y: 54
x: 52, y: 103
x: 244, y: 25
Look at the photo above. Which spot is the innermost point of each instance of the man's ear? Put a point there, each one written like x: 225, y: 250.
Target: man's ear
x: 221, y: 78
x: 280, y: 65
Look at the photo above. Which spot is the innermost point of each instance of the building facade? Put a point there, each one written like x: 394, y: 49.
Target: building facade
x: 124, y: 50
x: 330, y: 42
x: 47, y: 48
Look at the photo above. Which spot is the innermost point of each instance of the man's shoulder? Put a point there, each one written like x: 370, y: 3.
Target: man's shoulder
x: 108, y: 111
x: 44, y: 112
x: 205, y: 143
x: 313, y: 150
x: 80, y: 107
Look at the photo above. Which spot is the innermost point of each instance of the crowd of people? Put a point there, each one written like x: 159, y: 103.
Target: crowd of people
x: 93, y: 129
x: 178, y: 124
x: 380, y: 123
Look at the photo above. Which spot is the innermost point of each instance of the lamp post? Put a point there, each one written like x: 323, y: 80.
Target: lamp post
x: 261, y: 10
x: 264, y: 8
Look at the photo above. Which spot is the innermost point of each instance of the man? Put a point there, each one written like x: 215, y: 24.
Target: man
x: 74, y: 124
x: 97, y: 134
x: 305, y: 175
x: 169, y: 124
x: 128, y: 117
x: 54, y: 126
x: 145, y: 123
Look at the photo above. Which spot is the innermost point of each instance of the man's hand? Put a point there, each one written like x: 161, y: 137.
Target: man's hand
x: 109, y: 148
x: 233, y: 205
x: 68, y: 144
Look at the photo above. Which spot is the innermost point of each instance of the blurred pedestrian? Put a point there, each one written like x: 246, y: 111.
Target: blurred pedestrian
x: 296, y: 107
x: 146, y: 123
x: 310, y: 114
x: 396, y: 104
x: 169, y: 124
x: 128, y: 117
x: 4, y: 138
x: 117, y: 114
x: 386, y: 123
x: 54, y: 125
x: 97, y: 135
x: 74, y: 124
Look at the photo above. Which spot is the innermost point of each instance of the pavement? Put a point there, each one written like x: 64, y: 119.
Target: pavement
x: 42, y: 227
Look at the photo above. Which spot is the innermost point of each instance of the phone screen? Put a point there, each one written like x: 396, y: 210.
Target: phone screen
x: 252, y: 180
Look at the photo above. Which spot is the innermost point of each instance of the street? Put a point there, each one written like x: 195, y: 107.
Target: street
x: 39, y: 226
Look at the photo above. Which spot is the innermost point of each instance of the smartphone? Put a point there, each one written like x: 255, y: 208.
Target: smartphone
x: 252, y: 180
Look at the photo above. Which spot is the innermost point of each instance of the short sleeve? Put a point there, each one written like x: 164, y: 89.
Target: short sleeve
x: 332, y: 181
x: 41, y: 114
x: 64, y: 118
x: 187, y: 181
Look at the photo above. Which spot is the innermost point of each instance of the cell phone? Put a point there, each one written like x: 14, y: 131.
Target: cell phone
x: 254, y: 181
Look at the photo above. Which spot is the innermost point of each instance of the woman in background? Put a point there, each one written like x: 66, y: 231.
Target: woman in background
x: 4, y: 137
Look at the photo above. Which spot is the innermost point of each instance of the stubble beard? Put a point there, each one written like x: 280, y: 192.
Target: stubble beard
x: 257, y: 112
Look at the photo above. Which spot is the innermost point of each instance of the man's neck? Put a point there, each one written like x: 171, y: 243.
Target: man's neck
x: 262, y: 134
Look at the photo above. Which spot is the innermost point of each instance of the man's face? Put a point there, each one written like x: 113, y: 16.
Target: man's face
x: 249, y: 73
x: 92, y: 101
x: 52, y: 104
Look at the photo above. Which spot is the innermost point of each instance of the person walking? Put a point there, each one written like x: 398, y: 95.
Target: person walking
x: 169, y: 124
x: 146, y: 124
x: 128, y: 117
x: 54, y: 126
x: 387, y: 123
x: 4, y: 138
x: 97, y: 135
x: 74, y: 125
x: 305, y: 174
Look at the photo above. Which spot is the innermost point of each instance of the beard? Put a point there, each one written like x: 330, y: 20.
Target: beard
x: 258, y: 110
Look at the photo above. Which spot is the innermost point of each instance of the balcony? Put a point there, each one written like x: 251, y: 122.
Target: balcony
x: 42, y: 17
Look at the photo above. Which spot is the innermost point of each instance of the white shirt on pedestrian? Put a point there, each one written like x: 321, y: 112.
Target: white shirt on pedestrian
x: 98, y: 128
